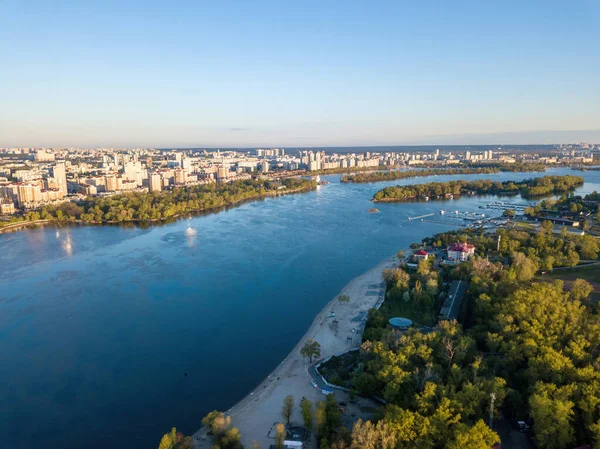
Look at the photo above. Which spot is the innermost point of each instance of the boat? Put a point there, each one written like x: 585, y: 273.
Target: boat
x: 373, y: 210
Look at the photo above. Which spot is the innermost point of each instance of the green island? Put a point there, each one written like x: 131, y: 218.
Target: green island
x: 528, y: 188
x: 391, y: 175
x: 157, y: 206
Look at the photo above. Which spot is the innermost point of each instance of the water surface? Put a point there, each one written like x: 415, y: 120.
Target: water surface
x: 98, y: 325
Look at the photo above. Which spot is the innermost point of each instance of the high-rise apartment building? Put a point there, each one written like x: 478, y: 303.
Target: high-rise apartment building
x: 59, y: 173
x: 155, y: 182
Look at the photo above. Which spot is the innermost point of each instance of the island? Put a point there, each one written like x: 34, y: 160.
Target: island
x: 391, y: 175
x: 528, y: 188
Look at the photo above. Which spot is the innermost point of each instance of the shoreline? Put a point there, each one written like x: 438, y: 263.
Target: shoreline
x: 256, y: 411
x: 17, y: 226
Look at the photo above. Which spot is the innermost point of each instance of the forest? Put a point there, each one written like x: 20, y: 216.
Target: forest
x: 156, y: 206
x: 525, y: 348
x: 468, y: 170
x: 528, y: 188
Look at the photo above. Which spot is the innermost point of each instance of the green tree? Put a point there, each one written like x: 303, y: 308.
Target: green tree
x: 320, y: 417
x: 396, y: 277
x: 581, y: 289
x: 548, y: 262
x: 307, y: 413
x: 572, y: 258
x: 231, y: 439
x: 288, y: 407
x: 523, y: 266
x: 547, y: 226
x: 424, y: 267
x: 479, y: 436
x: 552, y: 412
x: 588, y: 247
x: 311, y: 349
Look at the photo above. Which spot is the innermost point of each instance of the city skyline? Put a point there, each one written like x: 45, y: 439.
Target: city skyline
x: 265, y: 74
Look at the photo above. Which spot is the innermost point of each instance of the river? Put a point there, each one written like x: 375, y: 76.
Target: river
x: 111, y: 335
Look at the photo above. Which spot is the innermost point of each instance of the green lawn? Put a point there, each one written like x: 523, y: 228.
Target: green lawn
x: 525, y: 225
x: 397, y: 307
x: 590, y: 274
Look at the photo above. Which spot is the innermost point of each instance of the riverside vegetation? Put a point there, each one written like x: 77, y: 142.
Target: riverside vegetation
x: 529, y: 188
x: 156, y: 206
x: 468, y: 170
x: 525, y: 349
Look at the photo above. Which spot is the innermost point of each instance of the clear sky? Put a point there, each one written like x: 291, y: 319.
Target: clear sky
x: 298, y: 73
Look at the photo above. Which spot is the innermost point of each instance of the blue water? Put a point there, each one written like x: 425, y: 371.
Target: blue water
x: 98, y: 325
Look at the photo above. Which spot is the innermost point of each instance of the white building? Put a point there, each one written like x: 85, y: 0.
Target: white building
x: 460, y: 251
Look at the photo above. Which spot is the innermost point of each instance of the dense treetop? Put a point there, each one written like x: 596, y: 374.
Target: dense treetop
x: 168, y: 204
x: 529, y: 188
x: 469, y: 170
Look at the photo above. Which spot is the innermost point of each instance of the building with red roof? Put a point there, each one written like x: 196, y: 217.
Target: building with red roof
x: 460, y: 251
x: 421, y: 254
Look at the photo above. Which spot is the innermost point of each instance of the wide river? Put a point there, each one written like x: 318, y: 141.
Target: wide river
x: 109, y: 336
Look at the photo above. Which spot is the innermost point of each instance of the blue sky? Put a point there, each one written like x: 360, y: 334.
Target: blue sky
x: 257, y: 73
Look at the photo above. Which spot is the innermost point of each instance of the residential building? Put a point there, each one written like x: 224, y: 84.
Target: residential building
x: 460, y: 251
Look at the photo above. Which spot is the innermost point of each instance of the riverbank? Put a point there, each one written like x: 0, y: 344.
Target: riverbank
x: 13, y: 227
x: 393, y: 175
x: 255, y: 414
x: 22, y: 224
x: 528, y: 188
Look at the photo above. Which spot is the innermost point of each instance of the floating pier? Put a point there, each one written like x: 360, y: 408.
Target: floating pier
x: 420, y: 216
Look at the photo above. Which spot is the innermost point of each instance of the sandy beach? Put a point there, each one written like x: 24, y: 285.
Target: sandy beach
x: 260, y: 409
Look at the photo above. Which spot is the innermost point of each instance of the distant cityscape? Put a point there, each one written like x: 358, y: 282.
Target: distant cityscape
x: 34, y: 177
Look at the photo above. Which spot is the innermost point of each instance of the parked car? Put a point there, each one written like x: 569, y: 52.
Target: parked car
x: 523, y: 426
x: 314, y: 384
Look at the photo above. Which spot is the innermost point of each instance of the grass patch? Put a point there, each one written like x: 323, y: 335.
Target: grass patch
x: 589, y: 273
x: 524, y: 225
x: 396, y: 306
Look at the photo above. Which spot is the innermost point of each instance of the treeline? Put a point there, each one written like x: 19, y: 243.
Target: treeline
x: 544, y: 249
x: 155, y: 206
x: 469, y: 170
x: 570, y: 204
x: 529, y: 188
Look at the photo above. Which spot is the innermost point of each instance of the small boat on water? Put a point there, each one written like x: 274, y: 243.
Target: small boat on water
x: 373, y: 210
